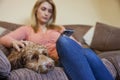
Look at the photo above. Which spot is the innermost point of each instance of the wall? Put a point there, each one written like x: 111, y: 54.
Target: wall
x: 68, y: 11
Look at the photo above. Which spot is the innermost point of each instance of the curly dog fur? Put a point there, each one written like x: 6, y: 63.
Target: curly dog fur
x: 33, y: 56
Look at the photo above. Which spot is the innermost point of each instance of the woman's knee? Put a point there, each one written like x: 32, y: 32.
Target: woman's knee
x: 91, y: 55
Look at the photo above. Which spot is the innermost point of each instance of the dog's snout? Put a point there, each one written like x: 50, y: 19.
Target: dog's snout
x: 49, y: 65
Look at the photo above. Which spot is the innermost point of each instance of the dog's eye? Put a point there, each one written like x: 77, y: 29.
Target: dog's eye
x: 35, y: 57
x: 44, y: 53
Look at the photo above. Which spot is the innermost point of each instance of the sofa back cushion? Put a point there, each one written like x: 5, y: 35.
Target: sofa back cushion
x: 106, y: 37
x: 80, y: 30
x: 9, y: 25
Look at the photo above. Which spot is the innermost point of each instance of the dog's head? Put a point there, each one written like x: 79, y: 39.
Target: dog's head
x: 35, y: 57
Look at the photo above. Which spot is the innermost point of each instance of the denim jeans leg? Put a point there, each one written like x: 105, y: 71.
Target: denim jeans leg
x: 73, y: 60
x: 98, y: 68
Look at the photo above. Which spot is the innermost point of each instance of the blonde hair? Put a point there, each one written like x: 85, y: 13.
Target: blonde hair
x: 50, y: 24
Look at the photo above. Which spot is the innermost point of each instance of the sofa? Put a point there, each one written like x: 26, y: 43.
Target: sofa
x: 104, y: 39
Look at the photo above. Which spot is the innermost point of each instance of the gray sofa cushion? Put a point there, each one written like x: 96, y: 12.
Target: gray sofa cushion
x: 114, y: 58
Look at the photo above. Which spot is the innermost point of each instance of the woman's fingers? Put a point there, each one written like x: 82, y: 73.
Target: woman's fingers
x: 17, y: 45
x: 25, y: 42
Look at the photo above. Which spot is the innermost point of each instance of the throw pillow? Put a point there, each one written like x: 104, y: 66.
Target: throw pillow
x: 106, y: 37
x: 89, y: 36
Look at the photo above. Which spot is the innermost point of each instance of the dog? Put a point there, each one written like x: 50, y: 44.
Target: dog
x: 33, y: 56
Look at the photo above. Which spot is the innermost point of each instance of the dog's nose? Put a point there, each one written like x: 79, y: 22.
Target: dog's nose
x: 49, y: 65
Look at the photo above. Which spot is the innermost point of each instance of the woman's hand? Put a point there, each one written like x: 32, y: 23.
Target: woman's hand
x: 19, y: 44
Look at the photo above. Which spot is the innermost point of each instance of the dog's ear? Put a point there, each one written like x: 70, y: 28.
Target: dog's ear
x: 15, y: 61
x: 23, y: 60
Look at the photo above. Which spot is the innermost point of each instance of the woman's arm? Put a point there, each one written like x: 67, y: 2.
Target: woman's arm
x: 17, y: 35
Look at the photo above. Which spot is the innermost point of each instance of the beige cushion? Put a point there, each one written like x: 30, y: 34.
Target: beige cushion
x: 2, y: 30
x: 89, y: 36
x: 106, y: 37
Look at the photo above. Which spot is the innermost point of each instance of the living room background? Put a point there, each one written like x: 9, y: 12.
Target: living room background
x: 68, y: 11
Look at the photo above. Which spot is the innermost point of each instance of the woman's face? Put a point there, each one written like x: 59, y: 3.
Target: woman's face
x: 44, y: 12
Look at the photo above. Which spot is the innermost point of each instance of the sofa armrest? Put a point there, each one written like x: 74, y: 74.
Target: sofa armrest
x: 4, y: 49
x: 5, y: 66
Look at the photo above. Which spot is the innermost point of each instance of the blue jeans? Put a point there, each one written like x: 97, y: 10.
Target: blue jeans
x: 80, y: 63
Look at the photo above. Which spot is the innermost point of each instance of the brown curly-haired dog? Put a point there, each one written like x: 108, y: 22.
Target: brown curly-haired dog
x: 33, y: 56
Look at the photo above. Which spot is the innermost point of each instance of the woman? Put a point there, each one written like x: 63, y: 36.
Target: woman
x: 43, y: 31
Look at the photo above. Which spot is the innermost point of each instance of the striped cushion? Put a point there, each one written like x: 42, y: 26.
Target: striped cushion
x: 26, y: 74
x: 4, y: 65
